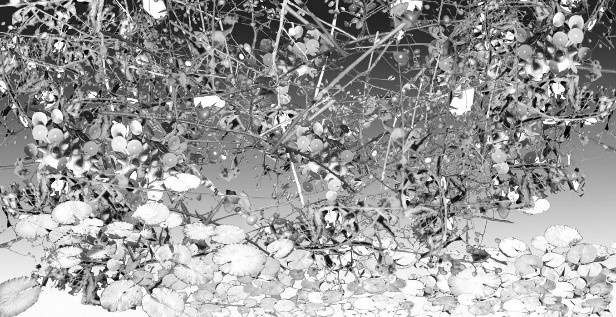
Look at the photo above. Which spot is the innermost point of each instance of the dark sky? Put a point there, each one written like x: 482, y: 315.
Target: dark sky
x: 5, y: 16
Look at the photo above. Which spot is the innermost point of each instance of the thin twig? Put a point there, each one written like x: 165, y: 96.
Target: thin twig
x: 299, y: 186
x: 278, y: 34
x: 387, y: 152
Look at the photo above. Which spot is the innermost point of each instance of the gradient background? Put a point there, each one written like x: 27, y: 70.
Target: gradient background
x: 594, y: 214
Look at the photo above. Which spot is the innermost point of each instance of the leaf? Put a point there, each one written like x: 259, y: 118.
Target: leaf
x: 299, y: 49
x: 67, y: 257
x: 156, y: 9
x: 228, y: 234
x: 479, y: 285
x: 240, y: 259
x: 163, y: 302
x: 297, y: 32
x: 70, y: 211
x: 272, y: 288
x: 513, y: 247
x: 582, y: 254
x: 374, y: 285
x: 312, y: 47
x: 399, y: 9
x: 195, y: 272
x: 299, y: 260
x: 17, y: 295
x: 363, y: 303
x: 209, y: 101
x: 332, y: 296
x: 219, y: 38
x: 314, y: 33
x: 410, y: 4
x: 174, y: 220
x: 244, y: 201
x: 34, y: 226
x: 527, y: 264
x: 143, y: 277
x: 121, y: 295
x: 462, y: 104
x: 266, y: 45
x: 280, y: 248
x: 562, y: 236
x: 21, y: 14
x: 173, y: 282
x: 230, y: 19
x: 152, y: 213
x: 271, y: 269
x: 198, y: 231
x: 284, y: 305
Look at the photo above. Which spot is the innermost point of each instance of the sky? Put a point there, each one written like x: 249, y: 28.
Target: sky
x: 594, y: 214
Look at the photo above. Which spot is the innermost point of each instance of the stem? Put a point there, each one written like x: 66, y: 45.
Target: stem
x: 387, y: 153
x: 278, y: 34
x: 299, y: 187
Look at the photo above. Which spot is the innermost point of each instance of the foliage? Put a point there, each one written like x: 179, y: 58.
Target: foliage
x: 128, y: 102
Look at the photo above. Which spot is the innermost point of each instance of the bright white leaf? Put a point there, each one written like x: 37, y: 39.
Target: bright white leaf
x: 552, y: 259
x: 199, y: 231
x: 182, y: 182
x: 34, y: 226
x: 563, y: 289
x: 156, y: 8
x: 17, y: 295
x: 412, y: 5
x: 88, y: 226
x: 404, y: 258
x: 513, y: 247
x: 540, y: 243
x: 163, y: 253
x: 67, y: 257
x: 120, y: 228
x: 152, y: 213
x: 174, y: 220
x: 163, y: 302
x: 121, y: 295
x: 280, y: 248
x: 462, y: 104
x: 70, y: 211
x: 541, y: 206
x: 183, y: 253
x: 271, y: 269
x: 514, y: 305
x: 209, y: 101
x: 244, y: 201
x: 272, y: 288
x: 562, y: 236
x: 481, y: 285
x: 240, y: 259
x: 363, y: 303
x: 284, y: 305
x: 299, y: 260
x: 228, y: 234
x: 413, y: 288
x: 195, y: 272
